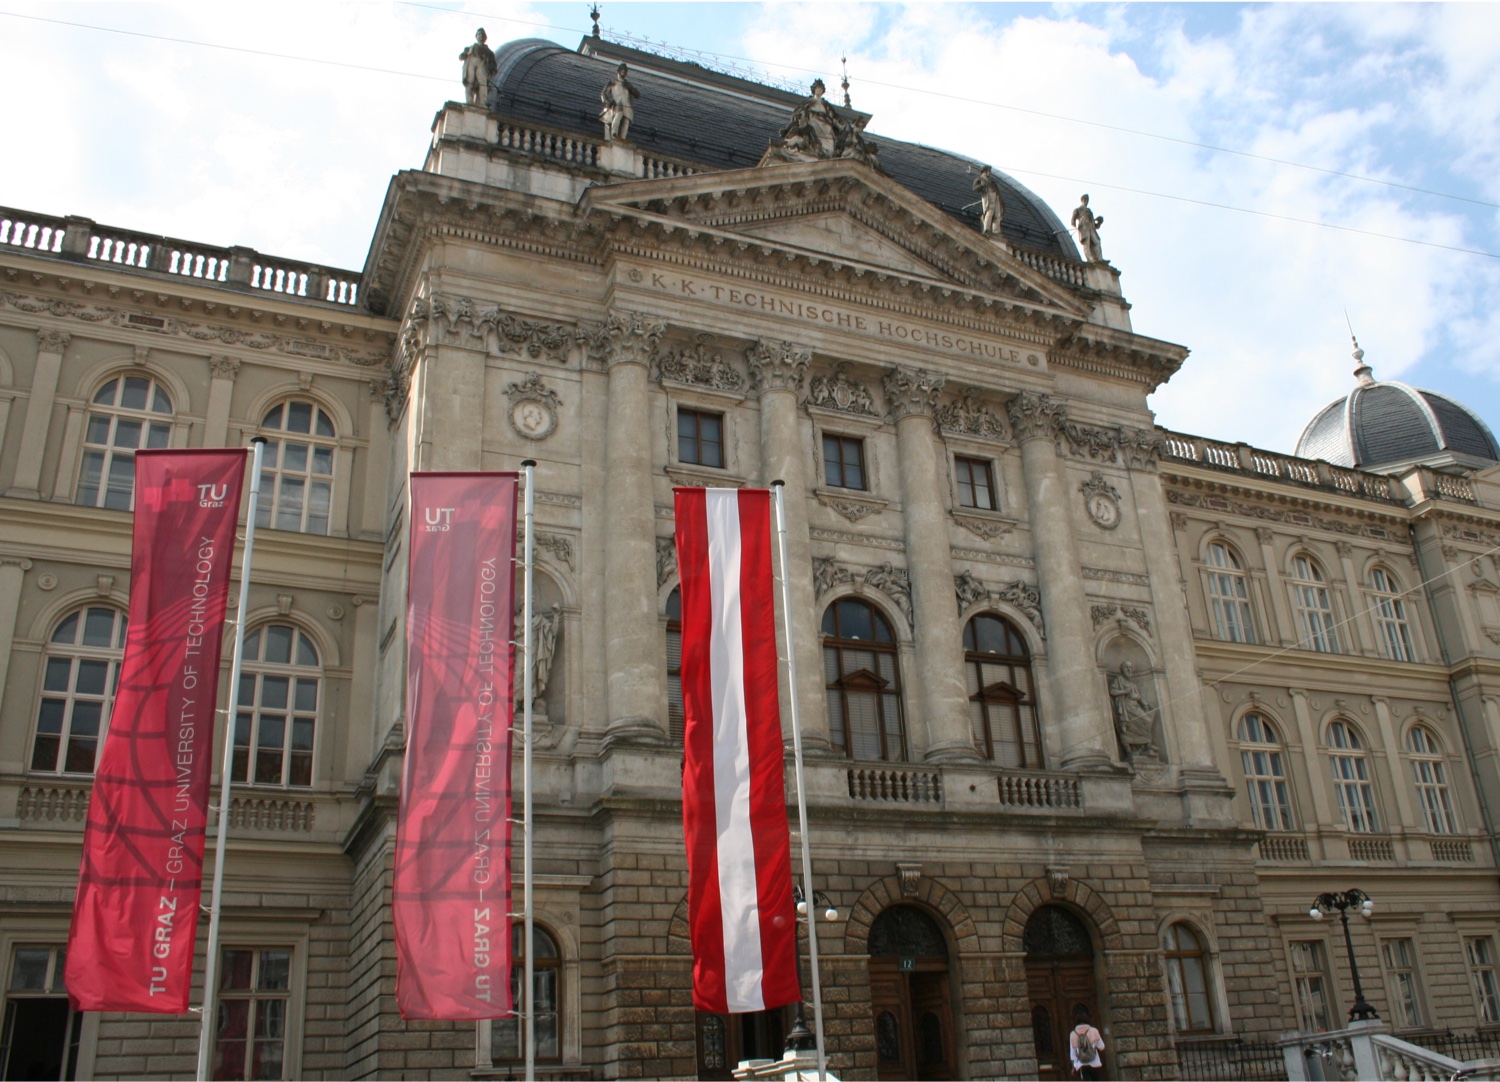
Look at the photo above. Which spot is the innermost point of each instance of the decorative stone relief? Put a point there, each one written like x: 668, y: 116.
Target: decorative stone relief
x: 829, y: 573
x: 1101, y: 501
x: 979, y: 526
x: 1142, y: 447
x: 666, y: 560
x: 48, y: 341
x: 1177, y: 519
x: 777, y: 366
x: 967, y: 416
x: 1028, y: 599
x: 104, y: 585
x: 1034, y: 416
x: 853, y: 510
x: 560, y: 547
x: 1102, y: 614
x: 1290, y: 516
x: 224, y: 367
x: 1057, y: 880
x: 1100, y: 444
x: 911, y: 391
x: 839, y: 392
x: 1105, y: 574
x: 1264, y: 534
x: 698, y: 365
x: 533, y: 408
x: 1343, y: 548
x: 895, y: 583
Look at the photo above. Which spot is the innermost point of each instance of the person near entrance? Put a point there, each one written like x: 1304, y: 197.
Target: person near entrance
x: 1085, y: 1046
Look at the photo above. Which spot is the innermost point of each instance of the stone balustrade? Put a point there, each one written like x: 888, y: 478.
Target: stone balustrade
x: 1037, y: 790
x: 1365, y: 1051
x: 1312, y: 473
x: 897, y: 786
x: 1059, y: 270
x: 1284, y: 848
x: 244, y: 270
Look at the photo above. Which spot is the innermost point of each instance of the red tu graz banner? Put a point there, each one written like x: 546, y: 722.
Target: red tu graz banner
x: 452, y: 889
x: 135, y: 916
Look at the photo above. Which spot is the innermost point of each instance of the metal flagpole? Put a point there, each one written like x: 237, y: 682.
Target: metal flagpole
x: 211, y: 960
x: 778, y: 490
x: 528, y: 993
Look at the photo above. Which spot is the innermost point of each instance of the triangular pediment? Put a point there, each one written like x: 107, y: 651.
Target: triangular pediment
x: 840, y: 213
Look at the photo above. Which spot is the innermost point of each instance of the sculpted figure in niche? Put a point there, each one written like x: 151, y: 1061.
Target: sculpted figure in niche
x: 1087, y: 224
x: 618, y: 97
x: 1134, y: 720
x: 991, y: 205
x: 479, y: 68
x: 544, y: 627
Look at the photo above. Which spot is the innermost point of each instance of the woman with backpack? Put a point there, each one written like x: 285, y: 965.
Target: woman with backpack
x: 1085, y: 1043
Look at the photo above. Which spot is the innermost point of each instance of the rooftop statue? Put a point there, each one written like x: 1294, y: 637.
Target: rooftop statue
x: 992, y: 206
x: 818, y: 132
x: 479, y: 68
x: 1088, y: 225
x: 618, y: 95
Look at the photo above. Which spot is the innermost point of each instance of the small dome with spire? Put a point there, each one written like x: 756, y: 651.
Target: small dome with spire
x: 1383, y: 423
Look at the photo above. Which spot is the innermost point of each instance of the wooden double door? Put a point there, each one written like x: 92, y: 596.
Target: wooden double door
x: 1057, y: 986
x: 913, y: 1005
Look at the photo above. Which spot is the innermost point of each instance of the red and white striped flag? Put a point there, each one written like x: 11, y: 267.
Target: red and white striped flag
x: 733, y: 799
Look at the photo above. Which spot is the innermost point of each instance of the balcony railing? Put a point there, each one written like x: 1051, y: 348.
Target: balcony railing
x: 1242, y: 458
x: 896, y: 786
x: 1035, y: 790
x: 245, y: 270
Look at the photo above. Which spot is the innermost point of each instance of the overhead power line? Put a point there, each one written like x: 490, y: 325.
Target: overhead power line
x: 894, y: 86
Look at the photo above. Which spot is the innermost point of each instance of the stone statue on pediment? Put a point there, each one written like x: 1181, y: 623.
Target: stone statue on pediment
x: 618, y: 96
x: 991, y: 205
x: 817, y: 131
x: 1087, y: 223
x: 479, y: 68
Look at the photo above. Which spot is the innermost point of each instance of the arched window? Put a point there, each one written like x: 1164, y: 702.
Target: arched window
x: 280, y: 682
x: 1002, y: 697
x: 1314, y: 606
x: 296, y: 476
x: 1351, y: 778
x: 79, y: 674
x: 676, y: 716
x: 127, y: 414
x: 506, y: 1034
x: 1187, y: 980
x: 1265, y: 773
x: 1432, y: 780
x: 1228, y: 595
x: 1390, y: 616
x: 864, y: 682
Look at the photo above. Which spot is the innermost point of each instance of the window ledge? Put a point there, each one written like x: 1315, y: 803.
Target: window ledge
x: 854, y: 504
x: 690, y: 475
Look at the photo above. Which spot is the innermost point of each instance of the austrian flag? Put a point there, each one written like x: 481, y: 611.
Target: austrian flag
x: 733, y: 800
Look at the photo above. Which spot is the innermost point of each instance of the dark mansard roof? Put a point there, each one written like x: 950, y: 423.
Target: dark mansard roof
x: 718, y: 121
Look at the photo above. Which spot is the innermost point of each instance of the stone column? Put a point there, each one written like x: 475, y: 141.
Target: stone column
x: 220, y: 391
x: 632, y: 643
x: 1085, y: 727
x: 912, y: 394
x: 12, y: 570
x: 50, y: 347
x: 777, y: 370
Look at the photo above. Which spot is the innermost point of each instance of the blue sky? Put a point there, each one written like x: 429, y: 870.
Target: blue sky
x: 292, y: 156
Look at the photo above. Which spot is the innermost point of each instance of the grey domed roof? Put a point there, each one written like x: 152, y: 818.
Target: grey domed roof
x: 1383, y: 422
x: 718, y: 121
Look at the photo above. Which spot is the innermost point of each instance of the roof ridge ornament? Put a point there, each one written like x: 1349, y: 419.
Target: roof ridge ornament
x: 594, y: 15
x: 1362, y: 372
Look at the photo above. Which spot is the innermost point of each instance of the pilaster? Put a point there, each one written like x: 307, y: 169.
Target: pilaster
x: 220, y: 391
x: 50, y: 348
x: 12, y: 572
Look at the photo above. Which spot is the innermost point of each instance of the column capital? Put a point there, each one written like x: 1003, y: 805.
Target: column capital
x: 15, y: 561
x: 1035, y: 416
x: 777, y: 366
x: 49, y: 341
x: 224, y: 367
x: 625, y: 337
x: 911, y: 391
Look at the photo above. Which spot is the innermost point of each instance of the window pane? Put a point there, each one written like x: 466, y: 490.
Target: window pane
x: 279, y: 644
x: 238, y: 965
x: 275, y: 970
x: 29, y: 971
x: 273, y: 692
x: 134, y: 396
x: 58, y: 671
x: 127, y: 433
x: 299, y: 417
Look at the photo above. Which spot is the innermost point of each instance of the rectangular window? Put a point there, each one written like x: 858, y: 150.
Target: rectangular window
x: 1481, y: 955
x: 1402, y: 989
x: 250, y: 1035
x: 700, y: 438
x: 844, y: 462
x: 40, y: 1033
x: 976, y: 483
x: 1310, y: 985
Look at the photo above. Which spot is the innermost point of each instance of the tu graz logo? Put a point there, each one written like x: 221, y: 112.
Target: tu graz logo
x: 439, y: 519
x: 212, y: 495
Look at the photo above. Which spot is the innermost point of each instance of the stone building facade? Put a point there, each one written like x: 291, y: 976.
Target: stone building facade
x: 1093, y: 710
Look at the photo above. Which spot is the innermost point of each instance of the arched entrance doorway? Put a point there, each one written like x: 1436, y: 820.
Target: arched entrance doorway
x: 1059, y: 979
x: 911, y: 996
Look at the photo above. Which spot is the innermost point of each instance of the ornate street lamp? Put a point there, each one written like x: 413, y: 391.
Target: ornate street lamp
x: 1360, y: 902
x: 800, y: 1038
